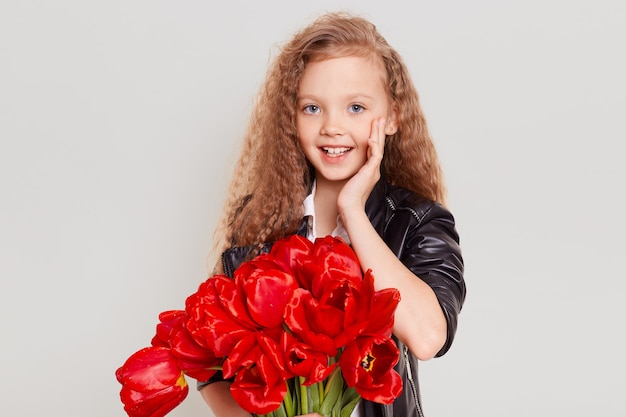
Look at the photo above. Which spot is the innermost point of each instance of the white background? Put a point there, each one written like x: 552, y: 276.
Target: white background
x: 119, y: 125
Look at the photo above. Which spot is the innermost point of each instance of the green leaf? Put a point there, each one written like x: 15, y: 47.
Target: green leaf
x: 313, y: 391
x: 297, y: 395
x: 349, y: 401
x: 333, y: 390
x: 281, y: 412
x: 288, y: 403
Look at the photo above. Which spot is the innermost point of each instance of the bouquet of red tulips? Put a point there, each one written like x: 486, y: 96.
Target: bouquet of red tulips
x: 297, y: 330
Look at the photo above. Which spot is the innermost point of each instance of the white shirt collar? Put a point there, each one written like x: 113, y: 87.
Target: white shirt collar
x: 309, y: 213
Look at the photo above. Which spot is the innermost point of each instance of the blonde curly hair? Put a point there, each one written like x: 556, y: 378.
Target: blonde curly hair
x: 272, y: 176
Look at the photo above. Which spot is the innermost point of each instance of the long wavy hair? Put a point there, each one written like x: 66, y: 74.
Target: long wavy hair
x: 272, y: 176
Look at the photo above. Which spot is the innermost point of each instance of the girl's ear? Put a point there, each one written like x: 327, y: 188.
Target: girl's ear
x: 391, y: 126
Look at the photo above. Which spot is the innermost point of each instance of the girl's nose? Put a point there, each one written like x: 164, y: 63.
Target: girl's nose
x: 332, y: 126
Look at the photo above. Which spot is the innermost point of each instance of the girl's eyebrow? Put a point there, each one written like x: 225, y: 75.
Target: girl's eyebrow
x: 307, y: 97
x: 359, y: 96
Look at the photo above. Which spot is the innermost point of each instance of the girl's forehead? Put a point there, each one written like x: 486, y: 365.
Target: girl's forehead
x: 347, y: 73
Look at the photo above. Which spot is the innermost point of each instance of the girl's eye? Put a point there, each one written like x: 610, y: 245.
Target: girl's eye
x: 311, y: 109
x: 356, y: 108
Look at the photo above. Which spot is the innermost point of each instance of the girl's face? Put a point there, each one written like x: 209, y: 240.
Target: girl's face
x: 338, y: 99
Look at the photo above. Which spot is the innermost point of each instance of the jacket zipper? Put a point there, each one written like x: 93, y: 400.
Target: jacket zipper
x: 392, y: 206
x: 390, y: 203
x: 405, y: 350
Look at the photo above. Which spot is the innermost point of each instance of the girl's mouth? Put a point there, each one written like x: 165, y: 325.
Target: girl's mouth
x: 335, y: 152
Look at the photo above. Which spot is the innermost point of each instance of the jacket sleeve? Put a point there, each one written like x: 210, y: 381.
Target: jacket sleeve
x: 430, y: 249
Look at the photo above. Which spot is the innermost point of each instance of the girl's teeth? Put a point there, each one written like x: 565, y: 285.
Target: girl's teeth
x: 335, y: 151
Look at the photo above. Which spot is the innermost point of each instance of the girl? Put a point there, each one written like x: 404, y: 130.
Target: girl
x: 337, y: 144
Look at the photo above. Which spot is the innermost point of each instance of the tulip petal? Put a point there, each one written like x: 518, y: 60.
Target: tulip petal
x: 152, y: 383
x: 153, y: 404
x: 218, y: 317
x: 291, y: 252
x: 267, y: 291
x: 149, y: 369
x: 303, y: 360
x: 367, y: 364
x: 259, y: 389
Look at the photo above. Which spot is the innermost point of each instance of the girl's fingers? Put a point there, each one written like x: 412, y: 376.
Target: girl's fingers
x: 377, y: 138
x: 381, y: 134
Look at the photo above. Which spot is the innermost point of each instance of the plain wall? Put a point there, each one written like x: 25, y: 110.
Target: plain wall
x: 119, y: 126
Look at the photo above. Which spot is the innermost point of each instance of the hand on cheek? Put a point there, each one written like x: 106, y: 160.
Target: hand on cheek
x: 355, y: 192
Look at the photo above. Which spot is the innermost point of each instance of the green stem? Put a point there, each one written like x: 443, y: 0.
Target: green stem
x: 320, y: 387
x: 304, y: 408
x: 289, y: 403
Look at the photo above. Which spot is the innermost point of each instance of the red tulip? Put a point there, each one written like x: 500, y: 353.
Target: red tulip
x: 218, y: 315
x: 152, y: 383
x: 260, y: 388
x: 383, y: 303
x: 195, y: 360
x: 267, y: 290
x: 367, y: 364
x: 345, y: 299
x: 303, y: 360
x: 244, y: 354
x: 331, y: 256
x: 341, y: 312
x: 290, y: 253
x: 169, y: 323
x: 250, y: 349
x: 317, y: 326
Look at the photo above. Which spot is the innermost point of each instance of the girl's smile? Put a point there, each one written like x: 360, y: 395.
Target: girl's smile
x: 335, y: 152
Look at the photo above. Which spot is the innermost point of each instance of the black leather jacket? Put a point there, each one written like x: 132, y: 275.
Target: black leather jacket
x: 422, y: 235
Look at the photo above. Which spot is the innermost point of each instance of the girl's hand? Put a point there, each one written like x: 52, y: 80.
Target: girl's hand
x: 355, y: 192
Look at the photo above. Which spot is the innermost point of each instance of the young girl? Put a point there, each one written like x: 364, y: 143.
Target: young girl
x: 338, y: 145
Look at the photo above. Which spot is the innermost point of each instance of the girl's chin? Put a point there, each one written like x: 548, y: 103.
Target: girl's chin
x: 332, y: 178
